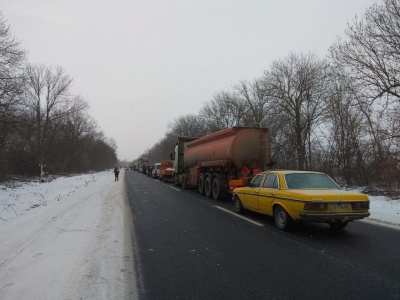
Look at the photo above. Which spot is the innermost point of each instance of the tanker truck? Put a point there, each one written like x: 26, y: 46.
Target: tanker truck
x: 220, y: 162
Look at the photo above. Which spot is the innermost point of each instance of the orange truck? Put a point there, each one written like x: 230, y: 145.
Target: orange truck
x: 222, y: 161
x: 166, y: 170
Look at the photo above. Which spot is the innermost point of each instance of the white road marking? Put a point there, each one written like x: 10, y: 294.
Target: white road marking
x: 175, y: 189
x: 239, y: 216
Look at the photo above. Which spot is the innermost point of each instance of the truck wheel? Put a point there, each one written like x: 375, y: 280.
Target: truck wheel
x: 215, y: 188
x: 201, y: 184
x: 183, y: 182
x: 207, y: 186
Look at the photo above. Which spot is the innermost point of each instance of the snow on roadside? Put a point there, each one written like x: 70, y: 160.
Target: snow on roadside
x: 66, y: 239
x: 384, y: 211
x: 26, y: 196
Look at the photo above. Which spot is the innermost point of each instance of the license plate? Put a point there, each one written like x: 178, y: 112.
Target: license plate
x: 339, y: 206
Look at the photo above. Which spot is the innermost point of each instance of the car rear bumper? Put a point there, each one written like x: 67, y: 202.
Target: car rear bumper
x: 333, y: 217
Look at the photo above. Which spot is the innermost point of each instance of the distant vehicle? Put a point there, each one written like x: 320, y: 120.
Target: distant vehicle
x: 290, y: 196
x: 219, y: 162
x: 126, y: 167
x: 143, y: 164
x: 166, y: 170
x: 149, y: 171
x: 156, y: 170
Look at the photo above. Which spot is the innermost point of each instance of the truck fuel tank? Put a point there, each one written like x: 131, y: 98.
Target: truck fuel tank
x: 241, y: 146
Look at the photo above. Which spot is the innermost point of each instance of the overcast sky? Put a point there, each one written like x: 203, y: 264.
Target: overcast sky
x: 141, y: 64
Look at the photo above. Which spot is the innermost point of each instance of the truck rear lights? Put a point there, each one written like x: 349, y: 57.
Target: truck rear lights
x: 315, y: 206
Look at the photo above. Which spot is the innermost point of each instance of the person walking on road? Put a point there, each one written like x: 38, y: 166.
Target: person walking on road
x: 116, y: 173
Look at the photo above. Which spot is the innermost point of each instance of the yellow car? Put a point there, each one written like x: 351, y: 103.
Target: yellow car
x: 301, y: 196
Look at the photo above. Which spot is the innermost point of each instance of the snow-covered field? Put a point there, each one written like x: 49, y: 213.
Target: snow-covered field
x: 71, y: 238
x: 66, y: 239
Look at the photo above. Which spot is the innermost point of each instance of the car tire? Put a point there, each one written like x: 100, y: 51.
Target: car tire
x: 338, y: 224
x: 238, y: 205
x: 282, y: 219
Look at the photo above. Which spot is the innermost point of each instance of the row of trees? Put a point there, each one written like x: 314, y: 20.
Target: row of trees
x: 339, y: 114
x: 43, y: 127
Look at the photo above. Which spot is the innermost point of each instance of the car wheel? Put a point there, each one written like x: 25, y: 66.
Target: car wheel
x: 282, y: 218
x: 238, y: 205
x: 338, y: 224
x: 207, y: 186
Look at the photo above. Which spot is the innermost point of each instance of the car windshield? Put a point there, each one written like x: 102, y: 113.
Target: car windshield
x: 310, y: 181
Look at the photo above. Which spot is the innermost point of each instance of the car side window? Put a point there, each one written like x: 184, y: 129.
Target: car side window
x: 271, y: 182
x: 257, y: 181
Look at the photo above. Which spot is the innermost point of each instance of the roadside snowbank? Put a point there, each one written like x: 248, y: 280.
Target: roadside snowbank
x: 66, y: 239
x: 384, y: 211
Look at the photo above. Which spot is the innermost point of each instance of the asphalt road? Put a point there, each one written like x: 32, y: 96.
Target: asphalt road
x: 188, y: 246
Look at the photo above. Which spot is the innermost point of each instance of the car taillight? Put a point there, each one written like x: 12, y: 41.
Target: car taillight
x: 315, y: 206
x: 360, y: 205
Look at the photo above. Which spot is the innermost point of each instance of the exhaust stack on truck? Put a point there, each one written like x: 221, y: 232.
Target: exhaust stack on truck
x: 219, y: 162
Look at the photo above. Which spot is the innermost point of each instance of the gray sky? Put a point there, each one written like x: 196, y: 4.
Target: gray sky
x: 140, y: 64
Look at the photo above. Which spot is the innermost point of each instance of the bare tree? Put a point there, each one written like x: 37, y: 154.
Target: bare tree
x: 371, y: 53
x: 11, y: 67
x: 370, y: 57
x: 68, y: 138
x: 11, y: 83
x: 346, y: 130
x: 46, y: 101
x: 296, y: 87
x: 162, y: 149
x: 101, y: 152
x: 225, y: 110
x: 188, y: 125
x: 257, y: 102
